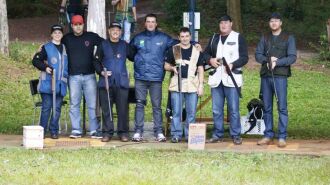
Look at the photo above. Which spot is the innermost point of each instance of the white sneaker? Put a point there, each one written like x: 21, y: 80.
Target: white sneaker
x: 160, y: 138
x: 137, y: 137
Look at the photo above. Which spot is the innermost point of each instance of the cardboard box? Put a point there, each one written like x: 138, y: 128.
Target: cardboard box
x: 33, y: 137
x: 197, y: 136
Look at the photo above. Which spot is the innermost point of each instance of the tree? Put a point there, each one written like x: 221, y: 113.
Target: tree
x: 234, y: 11
x: 96, y: 17
x: 4, y: 35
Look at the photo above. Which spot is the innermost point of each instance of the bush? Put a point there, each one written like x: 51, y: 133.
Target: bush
x: 323, y: 49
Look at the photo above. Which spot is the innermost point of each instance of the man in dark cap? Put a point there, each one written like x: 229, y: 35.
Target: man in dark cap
x: 276, y: 52
x: 111, y: 55
x: 230, y: 45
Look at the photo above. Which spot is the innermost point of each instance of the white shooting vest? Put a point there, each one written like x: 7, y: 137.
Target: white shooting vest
x: 230, y: 51
x: 189, y: 84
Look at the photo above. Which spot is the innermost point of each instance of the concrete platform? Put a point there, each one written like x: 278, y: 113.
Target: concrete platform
x: 298, y: 147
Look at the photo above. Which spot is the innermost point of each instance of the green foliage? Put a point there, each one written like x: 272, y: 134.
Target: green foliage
x: 120, y: 166
x: 22, y: 51
x: 31, y: 8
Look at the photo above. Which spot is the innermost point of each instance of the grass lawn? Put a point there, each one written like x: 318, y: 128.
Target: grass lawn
x: 119, y: 166
x: 308, y: 96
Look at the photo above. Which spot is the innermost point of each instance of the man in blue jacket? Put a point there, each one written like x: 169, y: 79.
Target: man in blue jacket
x: 150, y: 47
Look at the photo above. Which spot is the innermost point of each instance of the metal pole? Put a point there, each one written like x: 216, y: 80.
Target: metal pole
x: 192, y: 5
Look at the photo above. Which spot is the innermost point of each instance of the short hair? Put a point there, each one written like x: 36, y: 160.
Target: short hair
x: 150, y: 15
x: 184, y: 30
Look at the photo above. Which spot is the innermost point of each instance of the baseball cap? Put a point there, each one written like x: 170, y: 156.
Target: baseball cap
x: 77, y: 19
x: 56, y: 27
x: 115, y: 24
x: 225, y: 18
x: 275, y: 15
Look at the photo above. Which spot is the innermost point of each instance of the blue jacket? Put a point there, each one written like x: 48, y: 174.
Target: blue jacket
x: 150, y: 52
x: 115, y: 63
x: 59, y: 62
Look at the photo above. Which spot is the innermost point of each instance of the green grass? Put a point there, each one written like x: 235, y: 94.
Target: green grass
x: 308, y: 96
x: 119, y: 166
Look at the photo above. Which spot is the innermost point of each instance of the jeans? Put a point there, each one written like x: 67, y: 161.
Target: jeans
x: 190, y: 100
x: 126, y: 30
x: 155, y: 90
x: 267, y: 88
x: 79, y: 85
x: 47, y: 106
x: 219, y: 94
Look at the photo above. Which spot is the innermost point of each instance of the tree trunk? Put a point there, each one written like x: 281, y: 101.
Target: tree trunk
x: 4, y: 35
x: 96, y: 17
x: 328, y: 31
x: 234, y: 11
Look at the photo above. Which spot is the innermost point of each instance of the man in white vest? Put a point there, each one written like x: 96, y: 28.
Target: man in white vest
x: 188, y: 58
x: 231, y: 46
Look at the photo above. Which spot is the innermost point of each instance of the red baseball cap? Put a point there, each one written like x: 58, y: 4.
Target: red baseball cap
x: 77, y: 19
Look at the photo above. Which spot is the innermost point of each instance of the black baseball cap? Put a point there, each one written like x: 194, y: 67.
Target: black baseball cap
x: 225, y: 18
x: 275, y: 15
x: 56, y: 27
x: 115, y: 24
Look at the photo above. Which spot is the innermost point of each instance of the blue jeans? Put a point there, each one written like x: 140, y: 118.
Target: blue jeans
x: 155, y: 90
x: 219, y: 94
x: 79, y: 85
x: 267, y: 88
x: 47, y: 106
x: 190, y: 100
x: 126, y: 30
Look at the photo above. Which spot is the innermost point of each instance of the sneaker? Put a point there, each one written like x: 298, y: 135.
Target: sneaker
x: 75, y: 135
x: 175, y: 140
x: 96, y: 135
x: 161, y: 138
x: 237, y: 140
x: 137, y: 137
x: 265, y: 141
x: 54, y: 136
x: 281, y: 143
x: 215, y: 140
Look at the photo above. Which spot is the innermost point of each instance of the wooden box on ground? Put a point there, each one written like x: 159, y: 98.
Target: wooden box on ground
x: 33, y: 137
x: 197, y: 136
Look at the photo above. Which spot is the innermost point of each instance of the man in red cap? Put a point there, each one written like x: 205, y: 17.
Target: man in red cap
x: 82, y: 80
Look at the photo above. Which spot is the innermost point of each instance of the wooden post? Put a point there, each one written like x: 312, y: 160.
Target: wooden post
x: 328, y: 31
x: 4, y: 35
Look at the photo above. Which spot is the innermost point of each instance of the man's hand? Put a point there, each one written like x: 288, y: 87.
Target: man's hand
x: 215, y: 63
x: 49, y: 70
x: 174, y: 70
x: 200, y: 90
x: 273, y: 61
x: 108, y: 73
x: 198, y: 47
x: 62, y: 9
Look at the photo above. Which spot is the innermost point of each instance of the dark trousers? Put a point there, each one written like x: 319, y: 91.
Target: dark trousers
x: 119, y: 97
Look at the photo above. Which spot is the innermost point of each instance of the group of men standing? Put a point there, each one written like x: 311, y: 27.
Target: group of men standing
x: 153, y: 52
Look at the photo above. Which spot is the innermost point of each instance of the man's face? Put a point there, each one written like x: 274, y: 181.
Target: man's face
x: 225, y: 27
x: 185, y: 38
x: 77, y: 28
x: 275, y: 24
x: 57, y: 35
x: 114, y: 33
x: 150, y: 24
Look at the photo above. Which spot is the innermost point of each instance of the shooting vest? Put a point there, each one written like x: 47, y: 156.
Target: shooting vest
x: 115, y: 62
x: 59, y: 62
x: 189, y: 84
x: 230, y: 51
x: 277, y: 48
x: 124, y: 11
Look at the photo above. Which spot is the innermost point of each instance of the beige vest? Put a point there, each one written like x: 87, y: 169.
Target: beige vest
x: 189, y: 84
